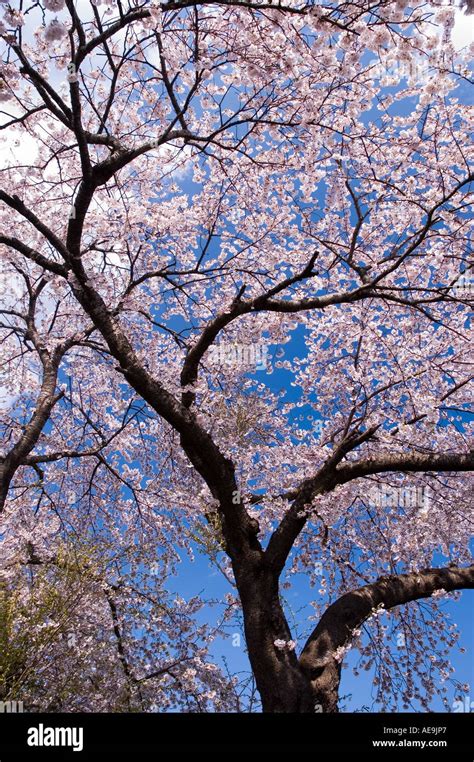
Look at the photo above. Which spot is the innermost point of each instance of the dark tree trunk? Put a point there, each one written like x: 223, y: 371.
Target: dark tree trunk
x: 282, y: 684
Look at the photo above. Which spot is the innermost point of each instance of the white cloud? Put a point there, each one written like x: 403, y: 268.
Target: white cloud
x: 463, y: 31
x: 18, y: 147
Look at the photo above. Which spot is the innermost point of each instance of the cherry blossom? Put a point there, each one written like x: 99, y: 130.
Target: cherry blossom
x: 236, y: 295
x: 55, y: 31
x: 54, y: 5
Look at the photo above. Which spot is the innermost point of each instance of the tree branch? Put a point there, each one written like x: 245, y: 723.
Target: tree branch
x: 330, y: 475
x: 336, y: 626
x: 34, y: 255
x: 412, y: 463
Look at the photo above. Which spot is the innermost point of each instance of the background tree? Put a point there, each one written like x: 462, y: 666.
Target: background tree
x: 190, y: 184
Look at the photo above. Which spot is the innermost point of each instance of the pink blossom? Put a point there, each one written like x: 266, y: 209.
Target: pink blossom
x: 13, y: 18
x: 55, y: 31
x: 53, y: 5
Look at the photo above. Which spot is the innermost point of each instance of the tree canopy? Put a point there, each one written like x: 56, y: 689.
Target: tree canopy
x: 236, y: 300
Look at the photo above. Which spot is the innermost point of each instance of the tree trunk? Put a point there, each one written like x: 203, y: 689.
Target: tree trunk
x: 282, y: 684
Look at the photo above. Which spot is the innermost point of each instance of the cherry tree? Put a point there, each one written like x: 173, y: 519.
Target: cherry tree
x: 202, y: 203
